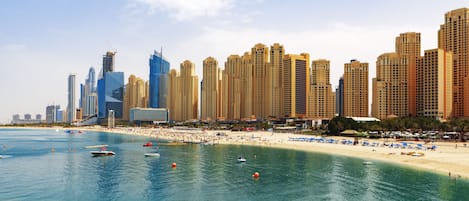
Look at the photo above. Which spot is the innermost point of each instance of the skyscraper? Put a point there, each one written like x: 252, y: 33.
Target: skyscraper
x: 408, y: 46
x: 247, y: 86
x: 71, y: 98
x: 159, y: 69
x: 453, y: 36
x: 233, y: 90
x: 435, y: 84
x: 356, y: 89
x: 210, y: 89
x: 134, y: 95
x: 173, y: 96
x: 111, y: 94
x: 339, y: 98
x: 108, y: 62
x: 321, y: 100
x: 51, y: 115
x: 296, y: 85
x: 261, y: 96
x: 276, y: 67
x: 390, y: 95
x: 184, y: 93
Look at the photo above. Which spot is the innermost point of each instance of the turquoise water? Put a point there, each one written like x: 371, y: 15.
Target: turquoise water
x: 37, y: 172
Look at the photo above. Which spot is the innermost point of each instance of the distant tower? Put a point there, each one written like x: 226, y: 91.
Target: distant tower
x: 356, y: 89
x: 262, y: 104
x: 108, y: 62
x: 71, y: 98
x: 453, y: 36
x: 339, y: 101
x: 210, y: 89
x: 296, y: 83
x: 159, y: 80
x: 321, y: 98
x: 434, y: 84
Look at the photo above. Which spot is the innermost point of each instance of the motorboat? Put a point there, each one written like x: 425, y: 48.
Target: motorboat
x: 102, y: 152
x: 148, y: 144
x: 367, y: 163
x: 241, y: 159
x: 152, y: 154
x: 96, y: 146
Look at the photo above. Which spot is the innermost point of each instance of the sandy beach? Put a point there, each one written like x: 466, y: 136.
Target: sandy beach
x: 448, y: 158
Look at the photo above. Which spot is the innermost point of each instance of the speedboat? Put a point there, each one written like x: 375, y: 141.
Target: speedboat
x: 367, y: 163
x: 152, y: 154
x: 241, y: 159
x: 148, y: 144
x: 102, y: 153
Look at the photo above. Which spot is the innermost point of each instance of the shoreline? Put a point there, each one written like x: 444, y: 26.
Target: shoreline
x: 449, y: 158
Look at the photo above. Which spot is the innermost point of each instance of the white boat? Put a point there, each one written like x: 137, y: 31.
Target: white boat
x: 152, y: 154
x: 367, y: 163
x: 96, y: 146
x: 241, y: 159
x: 102, y: 152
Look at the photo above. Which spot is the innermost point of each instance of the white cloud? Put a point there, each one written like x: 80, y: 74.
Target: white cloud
x: 187, y: 9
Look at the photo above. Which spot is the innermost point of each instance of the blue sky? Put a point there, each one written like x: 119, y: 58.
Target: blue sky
x: 42, y: 42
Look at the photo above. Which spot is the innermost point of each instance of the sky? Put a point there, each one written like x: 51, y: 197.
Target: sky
x: 42, y: 42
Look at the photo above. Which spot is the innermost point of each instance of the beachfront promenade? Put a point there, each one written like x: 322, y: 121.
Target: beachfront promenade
x: 439, y: 157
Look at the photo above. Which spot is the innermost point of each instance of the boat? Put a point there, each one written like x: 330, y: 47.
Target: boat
x: 148, y: 144
x: 241, y: 159
x: 367, y: 163
x: 152, y: 154
x: 102, y: 152
x: 96, y: 146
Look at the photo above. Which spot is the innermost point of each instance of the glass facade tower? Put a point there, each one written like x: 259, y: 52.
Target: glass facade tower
x: 159, y: 80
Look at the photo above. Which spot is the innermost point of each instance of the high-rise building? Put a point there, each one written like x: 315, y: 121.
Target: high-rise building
x: 356, y: 89
x: 134, y: 95
x: 246, y: 84
x: 174, y: 99
x: 210, y: 89
x: 108, y: 62
x: 296, y: 85
x: 453, y: 36
x: 111, y: 94
x: 184, y: 93
x: 71, y: 99
x: 261, y: 84
x: 339, y: 98
x: 38, y: 117
x: 233, y: 90
x: 435, y: 84
x: 159, y: 81
x: 91, y: 108
x: 391, y: 88
x: 51, y: 114
x: 276, y: 67
x: 408, y: 46
x: 321, y: 99
x: 87, y: 92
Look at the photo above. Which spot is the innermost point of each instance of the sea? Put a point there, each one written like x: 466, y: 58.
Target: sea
x: 55, y: 165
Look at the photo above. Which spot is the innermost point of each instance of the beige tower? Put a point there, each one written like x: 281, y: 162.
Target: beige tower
x: 379, y: 102
x: 296, y: 85
x: 134, y: 95
x: 408, y: 46
x: 209, y: 87
x: 356, y: 89
x: 174, y: 100
x: 434, y: 84
x: 233, y: 74
x: 453, y: 36
x: 276, y: 67
x: 321, y: 99
x: 188, y: 91
x: 261, y: 84
x: 246, y: 82
x: 390, y: 95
